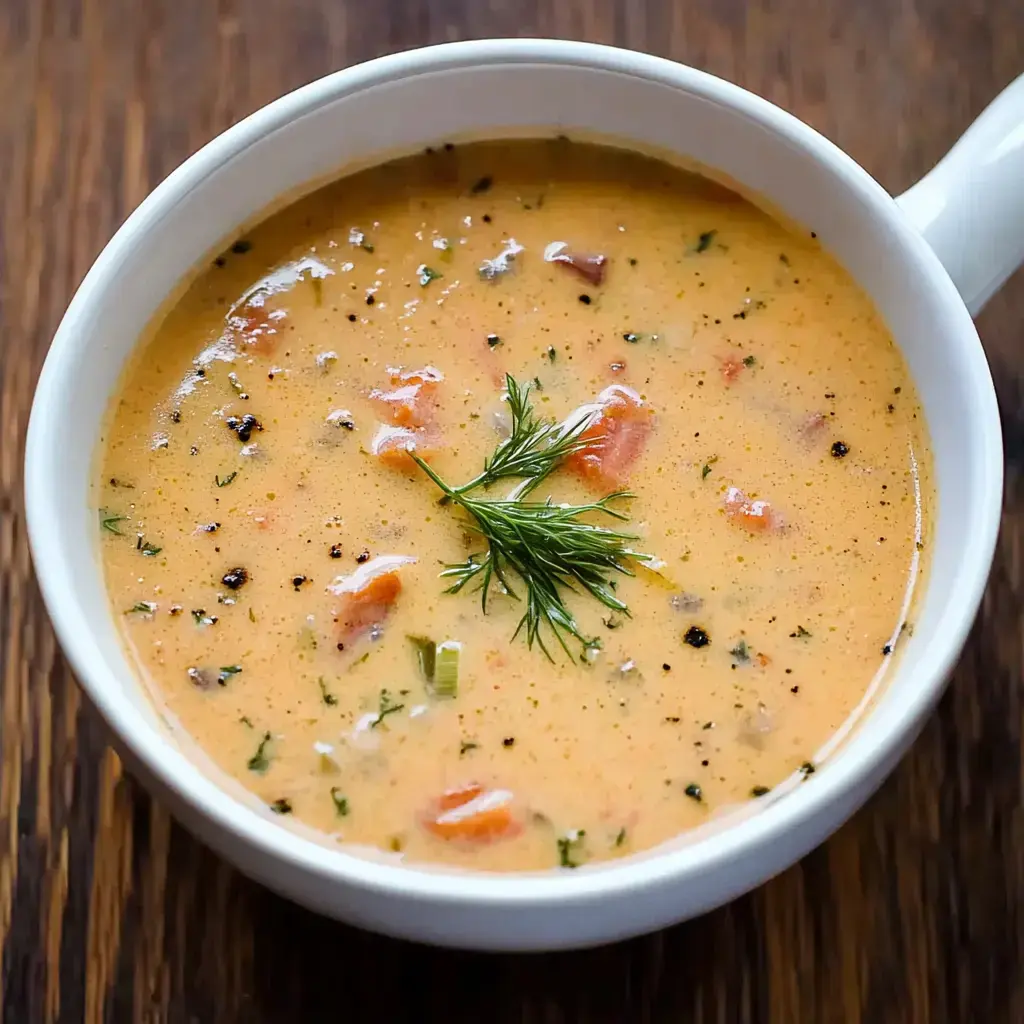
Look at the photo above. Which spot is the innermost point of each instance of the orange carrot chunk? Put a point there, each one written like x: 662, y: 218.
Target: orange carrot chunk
x: 393, y: 445
x: 730, y: 366
x: 472, y: 814
x: 368, y: 594
x: 753, y: 516
x: 616, y: 437
x: 257, y: 325
x: 411, y: 401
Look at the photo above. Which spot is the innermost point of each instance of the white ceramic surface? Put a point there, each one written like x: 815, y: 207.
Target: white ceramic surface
x: 971, y: 208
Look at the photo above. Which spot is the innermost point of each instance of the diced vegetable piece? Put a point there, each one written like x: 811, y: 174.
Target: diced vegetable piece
x: 616, y: 437
x: 426, y: 651
x: 472, y: 814
x: 730, y: 366
x: 656, y: 571
x: 369, y: 593
x: 392, y: 446
x: 589, y: 266
x: 446, y: 668
x: 754, y: 516
x: 257, y: 325
x: 410, y: 402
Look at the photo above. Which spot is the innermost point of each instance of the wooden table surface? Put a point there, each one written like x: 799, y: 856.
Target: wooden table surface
x: 109, y: 911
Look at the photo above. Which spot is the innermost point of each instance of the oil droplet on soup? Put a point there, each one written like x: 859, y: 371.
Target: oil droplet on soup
x: 273, y: 549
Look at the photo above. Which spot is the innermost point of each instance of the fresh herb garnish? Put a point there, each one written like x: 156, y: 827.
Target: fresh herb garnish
x: 109, y: 521
x: 694, y: 792
x: 546, y: 545
x: 750, y: 361
x: 840, y: 449
x: 807, y: 769
x: 226, y: 672
x: 259, y: 762
x: 758, y: 791
x: 800, y: 633
x: 569, y: 847
x: 340, y: 802
x: 223, y: 483
x: 385, y: 708
x: 141, y: 608
x: 466, y: 746
x: 705, y: 471
x: 425, y: 274
x: 621, y: 837
x: 705, y: 240
x: 148, y: 549
x: 325, y: 695
x: 281, y: 806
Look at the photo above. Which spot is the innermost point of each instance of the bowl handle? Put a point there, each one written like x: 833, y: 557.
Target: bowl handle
x: 970, y: 206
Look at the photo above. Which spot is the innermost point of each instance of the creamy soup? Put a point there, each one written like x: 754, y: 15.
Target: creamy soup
x: 537, y: 320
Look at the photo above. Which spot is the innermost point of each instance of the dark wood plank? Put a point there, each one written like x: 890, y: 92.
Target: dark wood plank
x: 109, y: 911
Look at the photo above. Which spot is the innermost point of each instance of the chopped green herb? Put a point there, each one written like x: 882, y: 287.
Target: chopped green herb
x: 493, y: 340
x: 750, y: 361
x: 281, y: 806
x: 325, y: 695
x: 621, y: 837
x: 840, y: 449
x: 741, y: 652
x: 109, y: 521
x: 223, y: 483
x: 694, y: 792
x: 252, y: 615
x: 800, y: 633
x: 259, y: 762
x: 340, y: 802
x: 200, y: 618
x: 807, y: 769
x: 425, y: 274
x: 759, y: 791
x: 226, y: 672
x: 149, y: 550
x: 466, y: 746
x: 551, y: 353
x: 246, y: 720
x: 141, y: 608
x: 705, y: 240
x: 705, y: 471
x: 385, y: 708
x: 570, y: 847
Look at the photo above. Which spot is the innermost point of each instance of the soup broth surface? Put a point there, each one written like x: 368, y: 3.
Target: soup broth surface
x: 272, y: 553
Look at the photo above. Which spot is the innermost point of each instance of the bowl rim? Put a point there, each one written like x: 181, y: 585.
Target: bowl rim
x: 202, y: 796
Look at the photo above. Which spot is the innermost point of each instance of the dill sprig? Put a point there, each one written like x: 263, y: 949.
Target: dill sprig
x: 534, y: 446
x: 551, y: 547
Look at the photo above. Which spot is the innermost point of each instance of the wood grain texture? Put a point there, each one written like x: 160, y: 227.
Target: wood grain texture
x: 110, y: 912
